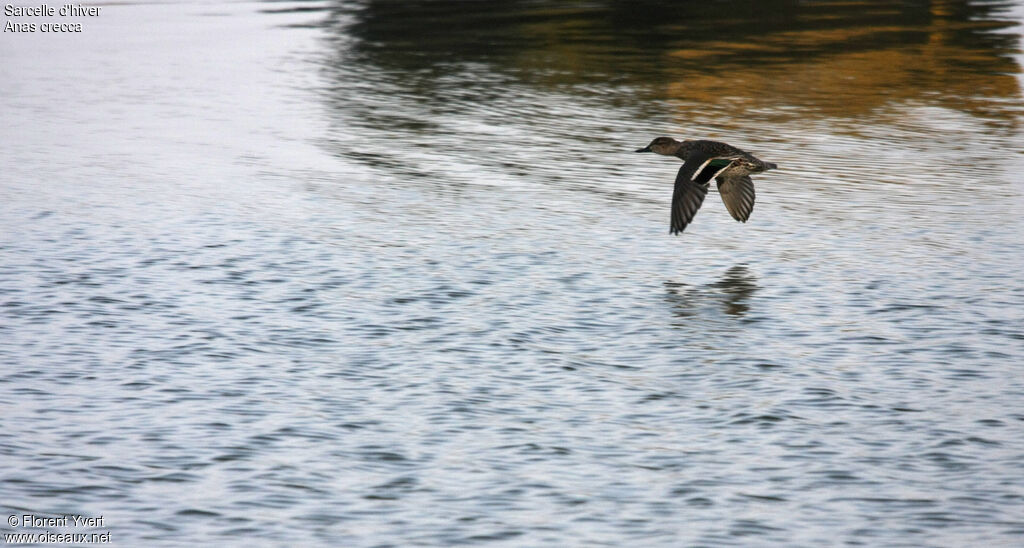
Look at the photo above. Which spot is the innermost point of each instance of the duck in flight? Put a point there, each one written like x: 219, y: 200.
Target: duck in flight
x: 729, y: 166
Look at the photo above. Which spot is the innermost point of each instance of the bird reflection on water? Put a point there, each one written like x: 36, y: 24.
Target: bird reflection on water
x: 732, y: 293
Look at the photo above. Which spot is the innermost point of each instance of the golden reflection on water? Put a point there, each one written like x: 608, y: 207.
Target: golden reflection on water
x: 832, y: 59
x: 849, y: 83
x: 870, y: 90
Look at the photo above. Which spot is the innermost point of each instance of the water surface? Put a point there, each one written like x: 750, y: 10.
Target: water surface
x: 389, y: 274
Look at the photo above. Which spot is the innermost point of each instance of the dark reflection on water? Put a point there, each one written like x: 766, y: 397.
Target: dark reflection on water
x: 529, y: 93
x: 834, y: 58
x: 732, y: 293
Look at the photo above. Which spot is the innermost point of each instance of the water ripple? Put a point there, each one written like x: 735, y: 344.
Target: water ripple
x: 366, y: 282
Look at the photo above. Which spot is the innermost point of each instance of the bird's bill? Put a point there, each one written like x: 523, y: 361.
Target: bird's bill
x: 645, y: 149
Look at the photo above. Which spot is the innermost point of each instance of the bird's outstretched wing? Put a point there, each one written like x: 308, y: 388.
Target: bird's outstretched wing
x: 688, y: 194
x: 738, y: 194
x: 711, y: 168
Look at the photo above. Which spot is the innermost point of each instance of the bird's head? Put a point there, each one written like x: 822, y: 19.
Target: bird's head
x: 666, y: 146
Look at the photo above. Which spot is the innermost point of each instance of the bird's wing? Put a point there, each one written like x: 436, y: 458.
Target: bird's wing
x: 738, y: 194
x: 711, y: 168
x: 688, y: 194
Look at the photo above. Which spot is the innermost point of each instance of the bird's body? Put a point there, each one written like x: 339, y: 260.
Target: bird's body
x: 703, y: 160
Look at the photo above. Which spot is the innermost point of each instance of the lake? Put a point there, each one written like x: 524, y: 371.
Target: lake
x: 379, y: 273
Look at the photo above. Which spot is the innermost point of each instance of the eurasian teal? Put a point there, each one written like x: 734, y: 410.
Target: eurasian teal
x: 703, y: 160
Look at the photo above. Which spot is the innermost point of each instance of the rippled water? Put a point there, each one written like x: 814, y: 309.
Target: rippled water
x: 389, y: 274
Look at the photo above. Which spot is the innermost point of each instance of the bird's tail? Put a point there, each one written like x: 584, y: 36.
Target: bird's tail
x: 769, y: 165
